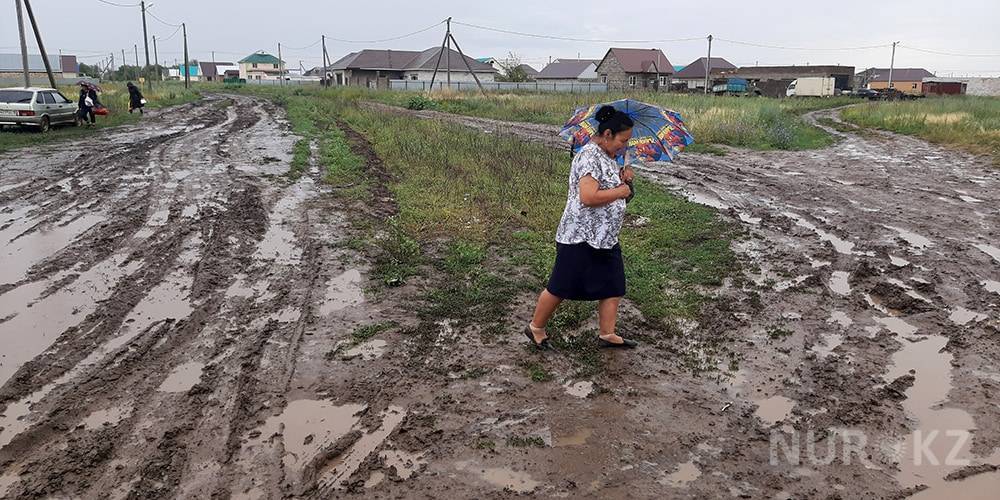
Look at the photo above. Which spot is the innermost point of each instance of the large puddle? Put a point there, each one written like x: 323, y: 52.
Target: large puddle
x: 343, y: 291
x: 501, y: 478
x: 774, y: 409
x: 347, y: 464
x: 940, y: 442
x: 182, y: 378
x: 914, y: 240
x: 990, y: 250
x: 22, y: 253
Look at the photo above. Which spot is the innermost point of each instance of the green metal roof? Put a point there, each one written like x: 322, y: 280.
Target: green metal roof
x: 260, y: 58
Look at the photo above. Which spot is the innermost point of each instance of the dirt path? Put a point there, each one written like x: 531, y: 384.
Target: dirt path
x: 871, y: 307
x: 180, y: 320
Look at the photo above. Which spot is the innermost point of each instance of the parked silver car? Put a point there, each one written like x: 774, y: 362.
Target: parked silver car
x: 35, y: 107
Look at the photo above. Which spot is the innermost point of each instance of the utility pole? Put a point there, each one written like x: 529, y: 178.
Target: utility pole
x: 41, y: 46
x: 281, y: 75
x: 187, y: 70
x: 145, y: 44
x: 892, y: 62
x: 156, y: 60
x: 213, y: 57
x: 124, y: 62
x: 24, y: 45
x: 708, y: 65
x: 447, y: 38
x: 326, y: 68
x: 111, y: 65
x: 136, y: 48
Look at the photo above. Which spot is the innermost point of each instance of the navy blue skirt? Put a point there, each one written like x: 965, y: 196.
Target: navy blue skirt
x: 582, y: 272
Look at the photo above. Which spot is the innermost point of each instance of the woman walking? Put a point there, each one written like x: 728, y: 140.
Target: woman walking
x: 135, y: 99
x: 86, y: 105
x: 589, y: 262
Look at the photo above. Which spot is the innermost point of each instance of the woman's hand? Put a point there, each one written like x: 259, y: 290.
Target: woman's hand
x: 627, y: 174
x: 592, y: 196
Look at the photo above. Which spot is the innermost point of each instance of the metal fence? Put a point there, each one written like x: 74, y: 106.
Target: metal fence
x: 42, y: 81
x: 251, y: 81
x: 574, y: 87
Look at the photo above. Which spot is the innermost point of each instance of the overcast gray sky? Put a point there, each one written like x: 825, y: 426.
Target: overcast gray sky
x: 233, y: 29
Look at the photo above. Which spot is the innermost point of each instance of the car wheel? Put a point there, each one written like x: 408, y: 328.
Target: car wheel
x: 44, y: 125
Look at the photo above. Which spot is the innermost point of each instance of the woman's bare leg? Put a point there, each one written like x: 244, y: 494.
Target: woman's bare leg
x: 546, y: 307
x: 607, y: 314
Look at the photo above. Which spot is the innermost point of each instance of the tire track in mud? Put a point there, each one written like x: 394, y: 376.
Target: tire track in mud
x: 152, y: 455
x: 863, y: 260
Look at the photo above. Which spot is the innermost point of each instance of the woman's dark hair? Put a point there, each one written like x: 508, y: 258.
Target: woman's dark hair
x: 613, y: 120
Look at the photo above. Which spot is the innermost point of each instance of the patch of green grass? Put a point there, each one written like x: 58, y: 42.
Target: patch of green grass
x: 756, y: 123
x: 363, y: 333
x: 115, y: 98
x: 399, y: 257
x: 525, y: 442
x: 706, y: 148
x: 971, y: 123
x: 301, y: 154
x: 778, y: 332
x: 535, y: 371
x: 484, y: 444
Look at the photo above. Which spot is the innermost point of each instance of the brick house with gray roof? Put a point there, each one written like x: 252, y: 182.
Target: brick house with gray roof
x: 374, y: 68
x: 635, y: 69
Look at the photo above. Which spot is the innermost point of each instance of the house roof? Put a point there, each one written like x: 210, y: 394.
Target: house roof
x: 899, y: 74
x: 528, y: 70
x: 407, y: 60
x: 697, y: 67
x: 641, y: 60
x: 12, y: 63
x: 565, y: 69
x: 260, y: 58
x: 212, y: 68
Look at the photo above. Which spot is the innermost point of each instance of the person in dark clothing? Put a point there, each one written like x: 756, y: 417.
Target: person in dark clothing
x: 135, y: 99
x: 86, y: 104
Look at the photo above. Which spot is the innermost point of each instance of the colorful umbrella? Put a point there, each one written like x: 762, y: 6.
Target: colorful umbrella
x: 659, y: 134
x: 89, y: 86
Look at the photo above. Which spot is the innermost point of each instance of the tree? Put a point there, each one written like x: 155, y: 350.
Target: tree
x: 91, y: 71
x: 511, y: 70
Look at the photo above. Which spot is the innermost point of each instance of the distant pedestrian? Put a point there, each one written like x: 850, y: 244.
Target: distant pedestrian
x: 86, y: 105
x: 589, y: 263
x: 135, y: 99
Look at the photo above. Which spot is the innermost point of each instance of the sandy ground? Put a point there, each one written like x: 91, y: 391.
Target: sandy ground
x: 171, y: 309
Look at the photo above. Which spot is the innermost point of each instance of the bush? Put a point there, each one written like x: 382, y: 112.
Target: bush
x: 420, y: 102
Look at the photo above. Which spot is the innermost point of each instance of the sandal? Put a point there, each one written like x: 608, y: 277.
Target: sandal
x: 626, y: 344
x: 543, y: 345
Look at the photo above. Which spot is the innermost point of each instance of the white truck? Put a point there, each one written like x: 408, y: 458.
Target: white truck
x: 813, y: 86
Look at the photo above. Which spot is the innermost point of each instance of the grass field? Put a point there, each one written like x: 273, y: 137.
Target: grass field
x: 115, y: 97
x: 756, y: 123
x: 969, y: 122
x: 482, y: 211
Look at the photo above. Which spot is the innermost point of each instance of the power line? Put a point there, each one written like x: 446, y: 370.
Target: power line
x: 114, y: 4
x: 400, y: 37
x: 154, y: 16
x: 766, y: 46
x: 571, y: 39
x: 947, y: 53
x: 302, y: 48
x: 171, y: 35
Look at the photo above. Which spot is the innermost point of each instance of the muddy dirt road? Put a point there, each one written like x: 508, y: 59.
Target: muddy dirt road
x: 171, y: 309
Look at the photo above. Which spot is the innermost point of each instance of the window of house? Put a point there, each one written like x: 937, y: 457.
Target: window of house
x: 413, y: 77
x: 914, y: 86
x: 275, y: 66
x: 604, y: 78
x: 254, y: 65
x: 663, y: 81
x: 631, y: 81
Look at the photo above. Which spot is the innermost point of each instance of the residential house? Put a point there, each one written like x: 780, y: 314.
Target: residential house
x: 374, y: 68
x: 529, y: 71
x: 983, y: 86
x: 692, y: 77
x: 69, y: 66
x: 215, y: 71
x: 261, y: 66
x: 906, y: 80
x: 192, y: 70
x: 773, y: 81
x: 635, y: 69
x: 492, y: 61
x: 569, y: 71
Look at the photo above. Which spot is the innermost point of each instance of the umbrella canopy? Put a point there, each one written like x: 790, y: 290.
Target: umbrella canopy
x: 659, y: 134
x: 89, y: 86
